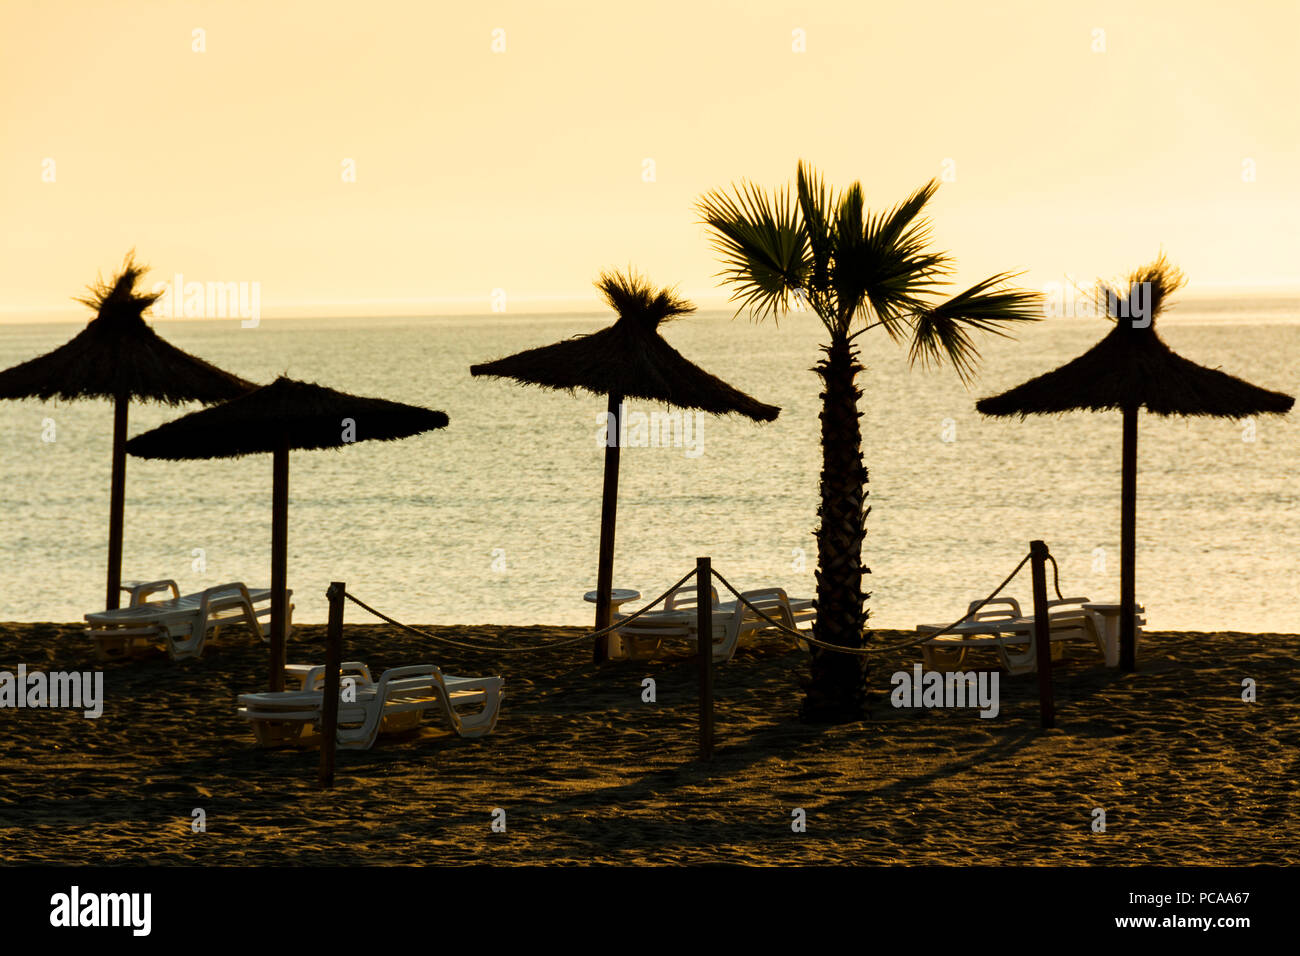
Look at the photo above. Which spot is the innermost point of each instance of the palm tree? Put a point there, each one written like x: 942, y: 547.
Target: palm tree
x: 856, y: 271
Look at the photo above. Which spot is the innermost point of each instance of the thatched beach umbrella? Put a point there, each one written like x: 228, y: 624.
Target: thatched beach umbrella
x: 119, y: 357
x: 627, y: 360
x: 275, y: 418
x: 1132, y: 368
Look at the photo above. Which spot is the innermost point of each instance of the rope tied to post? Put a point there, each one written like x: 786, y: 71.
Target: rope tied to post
x: 878, y: 649
x: 622, y: 622
x: 771, y: 621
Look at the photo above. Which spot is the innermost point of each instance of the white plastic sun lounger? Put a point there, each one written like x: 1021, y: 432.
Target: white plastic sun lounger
x: 182, y: 623
x: 394, y: 703
x: 312, y: 676
x: 1000, y: 627
x: 1073, y: 619
x: 644, y: 637
x: 979, y: 629
x: 744, y: 620
x: 139, y: 591
x: 801, y: 611
x: 687, y: 598
x: 731, y: 620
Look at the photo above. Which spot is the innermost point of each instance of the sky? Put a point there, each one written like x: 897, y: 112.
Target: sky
x: 503, y: 154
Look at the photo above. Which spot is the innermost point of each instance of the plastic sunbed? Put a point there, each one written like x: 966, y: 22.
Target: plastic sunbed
x: 182, y: 623
x: 999, y: 627
x: 396, y: 702
x: 731, y: 620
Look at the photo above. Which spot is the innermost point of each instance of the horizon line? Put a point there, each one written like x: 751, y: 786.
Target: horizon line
x: 447, y: 306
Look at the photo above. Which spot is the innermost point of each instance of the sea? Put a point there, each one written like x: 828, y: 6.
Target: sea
x: 495, y: 519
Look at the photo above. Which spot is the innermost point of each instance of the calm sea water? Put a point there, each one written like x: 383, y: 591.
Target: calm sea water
x: 495, y: 519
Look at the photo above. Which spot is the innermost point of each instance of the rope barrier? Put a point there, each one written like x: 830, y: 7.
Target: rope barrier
x: 863, y: 651
x: 773, y: 622
x: 623, y: 622
x: 1056, y: 577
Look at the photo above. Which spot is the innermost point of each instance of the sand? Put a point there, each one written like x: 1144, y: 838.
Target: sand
x: 586, y: 772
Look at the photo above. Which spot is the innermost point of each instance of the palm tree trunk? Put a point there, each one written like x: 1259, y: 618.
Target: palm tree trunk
x: 837, y: 692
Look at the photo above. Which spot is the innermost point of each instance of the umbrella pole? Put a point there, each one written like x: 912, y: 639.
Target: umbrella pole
x: 279, y: 558
x: 329, y: 730
x: 608, y: 506
x: 117, y: 503
x: 1042, y: 636
x: 1128, y: 545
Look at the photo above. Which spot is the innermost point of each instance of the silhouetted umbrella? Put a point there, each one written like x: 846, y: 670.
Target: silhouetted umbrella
x: 275, y: 418
x: 628, y: 359
x: 1132, y: 368
x: 119, y: 357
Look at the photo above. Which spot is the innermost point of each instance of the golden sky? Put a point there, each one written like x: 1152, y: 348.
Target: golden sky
x: 524, y: 169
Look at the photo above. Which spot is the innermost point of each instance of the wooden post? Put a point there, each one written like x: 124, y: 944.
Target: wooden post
x: 1042, y: 634
x: 608, y: 509
x: 117, y: 504
x: 1128, y: 545
x: 330, y: 701
x: 279, y: 559
x: 704, y: 647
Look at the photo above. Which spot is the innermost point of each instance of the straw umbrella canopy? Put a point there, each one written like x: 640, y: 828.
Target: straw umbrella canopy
x: 275, y: 418
x: 1129, y: 369
x: 119, y: 357
x: 629, y: 359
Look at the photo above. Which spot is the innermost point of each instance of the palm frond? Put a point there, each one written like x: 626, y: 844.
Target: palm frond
x: 816, y: 203
x: 898, y: 226
x: 899, y: 287
x: 888, y: 271
x: 762, y: 242
x: 942, y: 332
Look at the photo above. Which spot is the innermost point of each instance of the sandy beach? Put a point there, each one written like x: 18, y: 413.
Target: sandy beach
x: 1186, y: 772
